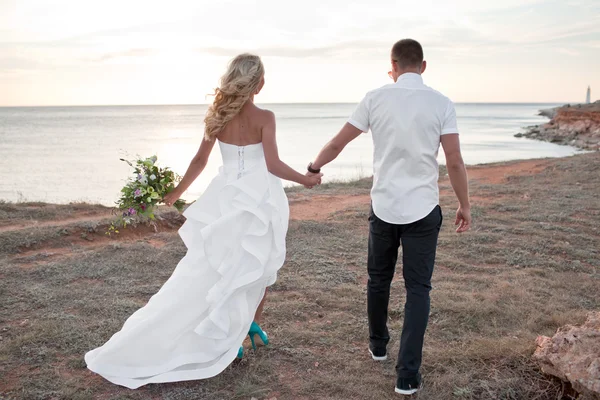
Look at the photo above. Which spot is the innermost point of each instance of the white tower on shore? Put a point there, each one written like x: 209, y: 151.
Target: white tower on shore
x: 588, y: 96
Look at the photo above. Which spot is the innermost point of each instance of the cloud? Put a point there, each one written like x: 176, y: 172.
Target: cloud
x: 569, y: 52
x: 68, y: 38
x: 17, y: 62
x: 594, y: 44
x: 126, y: 54
x: 589, y: 5
x: 345, y: 48
x: 564, y: 33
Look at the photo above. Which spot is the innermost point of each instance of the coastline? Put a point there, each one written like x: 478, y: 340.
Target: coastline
x: 528, y: 266
x: 575, y: 125
x: 45, y: 142
x: 476, y: 171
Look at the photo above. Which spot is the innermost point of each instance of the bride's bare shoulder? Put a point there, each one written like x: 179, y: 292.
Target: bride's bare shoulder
x: 265, y: 116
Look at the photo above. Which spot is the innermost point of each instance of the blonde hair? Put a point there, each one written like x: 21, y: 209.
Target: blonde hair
x: 239, y: 83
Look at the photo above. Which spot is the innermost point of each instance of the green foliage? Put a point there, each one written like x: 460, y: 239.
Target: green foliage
x: 143, y: 192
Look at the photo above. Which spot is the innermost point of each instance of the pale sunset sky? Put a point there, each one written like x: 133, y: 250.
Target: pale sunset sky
x: 89, y: 52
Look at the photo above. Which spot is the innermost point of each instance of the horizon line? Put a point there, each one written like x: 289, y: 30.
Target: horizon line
x: 267, y: 103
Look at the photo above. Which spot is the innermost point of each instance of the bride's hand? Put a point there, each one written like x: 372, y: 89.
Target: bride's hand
x: 171, y: 198
x: 312, y: 180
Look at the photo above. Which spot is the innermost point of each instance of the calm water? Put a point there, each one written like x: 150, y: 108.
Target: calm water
x: 63, y: 154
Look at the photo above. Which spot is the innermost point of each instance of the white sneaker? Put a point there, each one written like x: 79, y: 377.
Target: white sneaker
x: 378, y: 355
x: 408, y: 386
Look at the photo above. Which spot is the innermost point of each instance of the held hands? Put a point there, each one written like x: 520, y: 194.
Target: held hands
x: 312, y: 180
x: 463, y: 219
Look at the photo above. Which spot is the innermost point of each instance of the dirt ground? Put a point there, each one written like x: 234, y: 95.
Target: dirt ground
x: 529, y: 265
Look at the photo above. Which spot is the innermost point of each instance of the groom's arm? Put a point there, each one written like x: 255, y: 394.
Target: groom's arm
x: 358, y: 123
x: 335, y: 146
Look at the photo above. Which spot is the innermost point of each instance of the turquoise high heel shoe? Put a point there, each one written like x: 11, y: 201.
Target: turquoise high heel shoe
x: 241, y: 352
x: 255, y: 330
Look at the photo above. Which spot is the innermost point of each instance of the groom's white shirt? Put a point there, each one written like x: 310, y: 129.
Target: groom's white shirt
x: 406, y: 119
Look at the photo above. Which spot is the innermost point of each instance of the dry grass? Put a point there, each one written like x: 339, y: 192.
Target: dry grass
x: 24, y: 213
x: 529, y: 266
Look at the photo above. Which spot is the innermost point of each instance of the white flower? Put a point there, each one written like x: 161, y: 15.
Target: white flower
x: 153, y: 159
x: 152, y: 177
x: 143, y: 180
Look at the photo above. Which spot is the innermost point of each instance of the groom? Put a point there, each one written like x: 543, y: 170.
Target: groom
x: 408, y: 121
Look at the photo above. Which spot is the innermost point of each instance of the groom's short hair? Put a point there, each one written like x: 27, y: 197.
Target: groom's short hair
x: 407, y: 53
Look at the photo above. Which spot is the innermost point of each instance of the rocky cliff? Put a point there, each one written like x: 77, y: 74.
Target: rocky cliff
x: 575, y: 125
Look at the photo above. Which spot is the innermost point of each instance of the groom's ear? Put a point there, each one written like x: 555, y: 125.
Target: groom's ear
x: 423, y: 66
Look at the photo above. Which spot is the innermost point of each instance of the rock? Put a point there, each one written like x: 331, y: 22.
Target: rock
x: 548, y: 112
x: 519, y: 135
x: 573, y: 355
x: 570, y: 123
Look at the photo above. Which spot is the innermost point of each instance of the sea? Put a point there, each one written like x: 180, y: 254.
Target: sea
x: 72, y: 154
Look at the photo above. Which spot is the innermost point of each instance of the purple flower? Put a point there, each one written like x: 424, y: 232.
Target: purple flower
x: 132, y: 211
x: 137, y: 193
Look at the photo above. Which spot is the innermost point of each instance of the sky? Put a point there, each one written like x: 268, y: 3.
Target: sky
x: 89, y: 52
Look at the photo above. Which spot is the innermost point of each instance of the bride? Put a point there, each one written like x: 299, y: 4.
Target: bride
x: 193, y: 328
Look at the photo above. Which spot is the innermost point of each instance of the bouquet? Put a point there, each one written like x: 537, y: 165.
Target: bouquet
x: 143, y: 192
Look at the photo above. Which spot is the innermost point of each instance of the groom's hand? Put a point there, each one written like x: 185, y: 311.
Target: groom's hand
x: 315, y: 179
x: 463, y: 219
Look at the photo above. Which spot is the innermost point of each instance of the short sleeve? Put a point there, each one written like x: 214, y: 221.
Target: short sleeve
x: 360, y: 116
x: 449, y: 124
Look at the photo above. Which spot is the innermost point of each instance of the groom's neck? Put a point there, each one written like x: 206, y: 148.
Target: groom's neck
x: 410, y: 71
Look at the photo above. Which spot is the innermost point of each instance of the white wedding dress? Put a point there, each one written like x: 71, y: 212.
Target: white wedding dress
x: 193, y: 327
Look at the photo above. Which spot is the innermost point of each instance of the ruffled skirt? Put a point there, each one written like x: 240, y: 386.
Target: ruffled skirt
x: 193, y: 327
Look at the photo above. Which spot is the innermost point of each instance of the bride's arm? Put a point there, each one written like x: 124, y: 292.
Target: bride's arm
x: 274, y: 164
x: 195, y: 168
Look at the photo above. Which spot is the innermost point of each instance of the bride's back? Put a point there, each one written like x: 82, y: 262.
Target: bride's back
x: 245, y: 128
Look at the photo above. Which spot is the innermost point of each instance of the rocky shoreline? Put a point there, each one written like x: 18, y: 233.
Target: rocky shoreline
x: 574, y: 125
